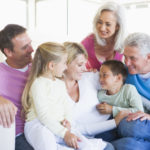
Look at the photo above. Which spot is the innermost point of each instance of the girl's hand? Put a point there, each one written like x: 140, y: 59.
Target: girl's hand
x: 66, y: 124
x: 104, y: 108
x: 71, y: 140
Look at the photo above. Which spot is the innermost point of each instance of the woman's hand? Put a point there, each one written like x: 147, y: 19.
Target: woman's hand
x: 121, y: 115
x: 137, y: 115
x: 66, y: 124
x: 104, y: 108
x: 71, y: 140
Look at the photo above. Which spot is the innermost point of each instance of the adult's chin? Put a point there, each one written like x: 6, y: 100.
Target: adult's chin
x: 131, y: 71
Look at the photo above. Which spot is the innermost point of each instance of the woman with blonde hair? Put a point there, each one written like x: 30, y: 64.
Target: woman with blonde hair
x: 106, y: 41
x: 82, y: 88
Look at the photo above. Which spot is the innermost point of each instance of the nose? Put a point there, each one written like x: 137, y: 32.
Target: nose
x: 100, y: 79
x: 30, y: 49
x: 102, y: 27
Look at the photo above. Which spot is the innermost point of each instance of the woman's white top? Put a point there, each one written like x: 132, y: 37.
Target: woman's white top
x: 85, y: 115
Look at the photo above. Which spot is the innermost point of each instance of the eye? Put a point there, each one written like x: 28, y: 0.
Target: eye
x: 99, y: 22
x: 133, y: 58
x: 108, y: 24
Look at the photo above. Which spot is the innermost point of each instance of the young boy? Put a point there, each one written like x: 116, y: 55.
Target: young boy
x: 114, y: 94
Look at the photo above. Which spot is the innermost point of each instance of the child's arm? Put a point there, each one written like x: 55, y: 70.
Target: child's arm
x: 132, y: 97
x: 47, y: 109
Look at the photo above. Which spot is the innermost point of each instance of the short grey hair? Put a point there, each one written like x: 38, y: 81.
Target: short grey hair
x: 119, y: 11
x: 139, y: 40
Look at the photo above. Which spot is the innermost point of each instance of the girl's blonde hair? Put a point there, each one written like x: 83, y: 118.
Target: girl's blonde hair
x: 45, y: 53
x: 73, y: 50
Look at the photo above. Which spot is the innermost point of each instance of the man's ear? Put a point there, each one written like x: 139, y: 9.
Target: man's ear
x: 8, y: 52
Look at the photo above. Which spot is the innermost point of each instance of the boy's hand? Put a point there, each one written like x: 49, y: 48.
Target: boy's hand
x: 66, y: 124
x: 104, y: 108
x: 121, y: 115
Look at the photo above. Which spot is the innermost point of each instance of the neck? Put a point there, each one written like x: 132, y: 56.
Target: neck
x: 48, y: 75
x: 114, y: 90
x: 146, y: 69
x: 70, y: 83
x: 14, y: 65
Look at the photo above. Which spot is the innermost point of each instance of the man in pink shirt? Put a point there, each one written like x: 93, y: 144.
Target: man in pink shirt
x: 16, y: 46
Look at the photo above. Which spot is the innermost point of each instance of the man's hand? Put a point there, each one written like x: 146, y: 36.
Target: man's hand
x: 71, y: 140
x: 104, y: 108
x: 137, y: 115
x: 7, y: 112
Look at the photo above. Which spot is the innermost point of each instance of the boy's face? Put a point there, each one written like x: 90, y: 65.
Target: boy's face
x: 107, y: 80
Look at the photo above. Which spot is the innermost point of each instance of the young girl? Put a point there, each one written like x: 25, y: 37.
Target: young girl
x: 48, y: 113
x: 115, y: 95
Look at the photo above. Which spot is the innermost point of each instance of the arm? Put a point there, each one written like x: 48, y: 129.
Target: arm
x: 132, y: 99
x: 99, y: 127
x: 47, y: 108
x: 7, y: 112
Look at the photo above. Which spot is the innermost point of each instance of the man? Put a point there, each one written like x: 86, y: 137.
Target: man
x: 16, y: 46
x: 135, y: 130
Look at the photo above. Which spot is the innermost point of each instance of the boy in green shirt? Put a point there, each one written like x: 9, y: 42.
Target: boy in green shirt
x: 114, y: 95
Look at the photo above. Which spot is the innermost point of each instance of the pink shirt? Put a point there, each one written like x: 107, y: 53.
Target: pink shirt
x: 12, y: 83
x: 93, y: 62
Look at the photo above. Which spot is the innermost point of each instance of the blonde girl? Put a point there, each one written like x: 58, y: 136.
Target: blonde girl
x: 45, y: 103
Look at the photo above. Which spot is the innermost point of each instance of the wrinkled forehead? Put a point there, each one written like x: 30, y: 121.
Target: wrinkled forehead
x: 131, y: 51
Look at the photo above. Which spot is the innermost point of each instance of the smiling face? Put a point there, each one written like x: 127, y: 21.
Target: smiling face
x: 135, y: 62
x: 21, y: 54
x: 107, y: 79
x: 107, y: 24
x: 76, y: 67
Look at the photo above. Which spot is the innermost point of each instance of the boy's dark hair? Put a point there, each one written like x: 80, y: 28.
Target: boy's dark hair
x: 8, y: 33
x: 117, y: 67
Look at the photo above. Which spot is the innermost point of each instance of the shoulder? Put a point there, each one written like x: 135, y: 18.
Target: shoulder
x: 90, y: 79
x: 88, y: 40
x: 118, y: 56
x: 90, y: 76
x: 130, y: 89
x: 60, y: 83
x: 40, y: 83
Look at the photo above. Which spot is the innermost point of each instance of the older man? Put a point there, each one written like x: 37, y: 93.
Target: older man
x: 135, y: 130
x: 16, y: 45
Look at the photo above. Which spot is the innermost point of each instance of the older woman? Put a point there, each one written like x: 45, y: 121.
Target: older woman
x: 106, y: 41
x: 82, y: 90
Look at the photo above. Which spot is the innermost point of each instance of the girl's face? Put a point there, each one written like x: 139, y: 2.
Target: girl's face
x: 107, y: 80
x: 107, y: 24
x: 76, y: 67
x: 60, y: 67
